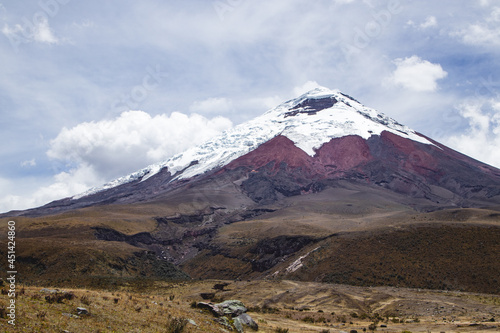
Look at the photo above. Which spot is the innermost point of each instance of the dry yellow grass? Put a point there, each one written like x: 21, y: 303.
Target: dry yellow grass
x: 296, y: 306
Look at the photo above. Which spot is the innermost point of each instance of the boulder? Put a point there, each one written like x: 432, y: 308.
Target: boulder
x: 232, y: 308
x: 238, y: 325
x: 246, y: 320
x: 224, y: 322
x: 213, y: 308
x: 82, y: 311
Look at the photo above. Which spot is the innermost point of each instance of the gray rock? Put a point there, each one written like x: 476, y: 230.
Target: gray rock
x: 224, y: 322
x: 246, y: 320
x: 213, y: 308
x: 232, y: 308
x: 192, y: 322
x: 49, y: 291
x: 70, y: 315
x: 237, y: 325
x: 82, y: 311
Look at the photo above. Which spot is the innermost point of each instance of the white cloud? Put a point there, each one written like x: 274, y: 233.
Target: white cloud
x: 133, y: 140
x: 481, y: 140
x: 213, y: 105
x: 431, y: 21
x: 416, y: 74
x: 23, y: 194
x: 308, y: 86
x: 38, y: 31
x: 104, y: 150
x: 43, y: 33
x: 484, y: 33
x: 477, y: 34
x: 29, y: 163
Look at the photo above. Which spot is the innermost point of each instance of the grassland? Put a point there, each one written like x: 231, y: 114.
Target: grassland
x: 155, y: 306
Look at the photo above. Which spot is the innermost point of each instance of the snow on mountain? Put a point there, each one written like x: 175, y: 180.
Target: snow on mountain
x: 309, y: 121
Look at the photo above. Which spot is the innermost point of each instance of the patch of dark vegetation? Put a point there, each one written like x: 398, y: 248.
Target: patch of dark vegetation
x: 59, y: 297
x: 176, y: 325
x: 444, y: 257
x: 251, y: 213
x: 96, y: 269
x: 271, y: 251
x: 182, y: 219
x: 107, y: 234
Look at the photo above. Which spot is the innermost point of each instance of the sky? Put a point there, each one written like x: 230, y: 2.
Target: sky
x: 93, y: 90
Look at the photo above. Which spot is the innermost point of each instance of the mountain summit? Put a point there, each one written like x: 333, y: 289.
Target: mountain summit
x: 309, y: 121
x: 319, y: 188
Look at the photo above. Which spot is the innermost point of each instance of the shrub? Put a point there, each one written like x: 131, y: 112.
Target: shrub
x: 176, y: 325
x: 3, y: 312
x: 59, y: 297
x: 364, y: 316
x: 85, y: 300
x: 281, y: 330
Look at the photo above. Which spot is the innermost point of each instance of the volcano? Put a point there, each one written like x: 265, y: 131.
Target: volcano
x: 304, y: 146
x: 318, y: 188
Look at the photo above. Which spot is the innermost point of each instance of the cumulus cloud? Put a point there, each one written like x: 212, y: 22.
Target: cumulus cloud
x: 62, y: 185
x: 416, y: 74
x: 481, y: 139
x: 101, y: 151
x: 133, y: 140
x: 483, y: 33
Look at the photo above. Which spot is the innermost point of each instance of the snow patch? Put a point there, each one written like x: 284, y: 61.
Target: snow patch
x: 298, y: 263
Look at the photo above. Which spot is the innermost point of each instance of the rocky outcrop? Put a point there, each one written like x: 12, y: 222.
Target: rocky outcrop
x: 231, y: 314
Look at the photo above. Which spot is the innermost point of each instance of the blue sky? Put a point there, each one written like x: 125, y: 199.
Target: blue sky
x: 92, y: 90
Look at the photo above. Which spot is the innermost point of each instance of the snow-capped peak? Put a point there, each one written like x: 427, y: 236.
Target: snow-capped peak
x: 309, y: 120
